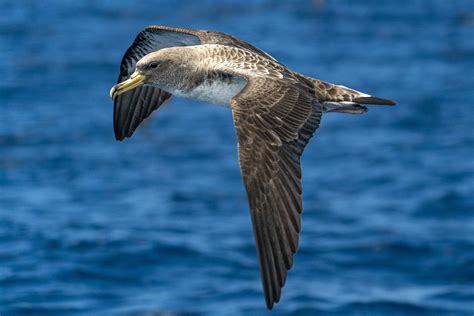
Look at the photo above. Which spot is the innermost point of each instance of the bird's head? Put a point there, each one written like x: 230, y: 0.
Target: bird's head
x: 159, y: 69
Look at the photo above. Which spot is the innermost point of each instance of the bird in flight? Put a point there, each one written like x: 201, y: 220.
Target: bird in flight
x: 275, y: 111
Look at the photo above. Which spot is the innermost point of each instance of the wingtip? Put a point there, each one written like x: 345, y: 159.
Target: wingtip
x: 270, y: 305
x: 270, y: 301
x: 120, y: 135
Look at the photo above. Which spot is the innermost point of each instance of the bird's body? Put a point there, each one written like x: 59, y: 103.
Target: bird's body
x: 215, y: 73
x: 215, y: 88
x: 209, y: 82
x: 275, y: 112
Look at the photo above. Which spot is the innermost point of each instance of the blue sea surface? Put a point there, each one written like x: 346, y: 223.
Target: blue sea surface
x: 159, y: 224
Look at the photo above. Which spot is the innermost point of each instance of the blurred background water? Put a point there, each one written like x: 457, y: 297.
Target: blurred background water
x: 158, y: 224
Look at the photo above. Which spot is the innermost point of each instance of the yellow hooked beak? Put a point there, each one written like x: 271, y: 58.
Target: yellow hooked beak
x: 135, y: 80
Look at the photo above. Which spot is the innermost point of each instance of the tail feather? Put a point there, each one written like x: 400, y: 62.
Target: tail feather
x: 337, y: 98
x: 373, y: 100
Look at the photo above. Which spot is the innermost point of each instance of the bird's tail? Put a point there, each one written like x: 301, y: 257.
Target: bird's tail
x: 336, y: 98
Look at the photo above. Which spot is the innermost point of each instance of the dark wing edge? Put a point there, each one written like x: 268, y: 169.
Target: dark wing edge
x: 274, y: 121
x: 134, y: 106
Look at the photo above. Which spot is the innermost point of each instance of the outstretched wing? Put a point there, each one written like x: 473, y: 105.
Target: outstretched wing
x: 132, y: 107
x: 274, y: 121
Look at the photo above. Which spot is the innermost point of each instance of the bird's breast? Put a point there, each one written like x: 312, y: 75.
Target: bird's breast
x: 216, y: 90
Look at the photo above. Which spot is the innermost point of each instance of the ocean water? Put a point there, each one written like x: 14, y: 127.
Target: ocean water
x: 159, y: 224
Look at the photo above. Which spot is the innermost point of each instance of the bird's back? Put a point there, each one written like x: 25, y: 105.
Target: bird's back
x: 220, y: 72
x: 247, y: 63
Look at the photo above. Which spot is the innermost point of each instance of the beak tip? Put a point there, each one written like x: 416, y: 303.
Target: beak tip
x: 112, y: 92
x: 127, y: 85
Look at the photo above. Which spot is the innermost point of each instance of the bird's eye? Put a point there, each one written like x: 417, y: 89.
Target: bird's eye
x: 153, y: 65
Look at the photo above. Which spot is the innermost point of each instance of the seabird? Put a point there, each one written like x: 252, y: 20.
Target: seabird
x: 275, y: 111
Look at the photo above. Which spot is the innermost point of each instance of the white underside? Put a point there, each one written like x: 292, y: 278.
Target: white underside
x: 215, y: 92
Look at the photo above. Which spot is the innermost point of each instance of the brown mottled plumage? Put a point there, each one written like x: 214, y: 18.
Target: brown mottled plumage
x: 275, y: 111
